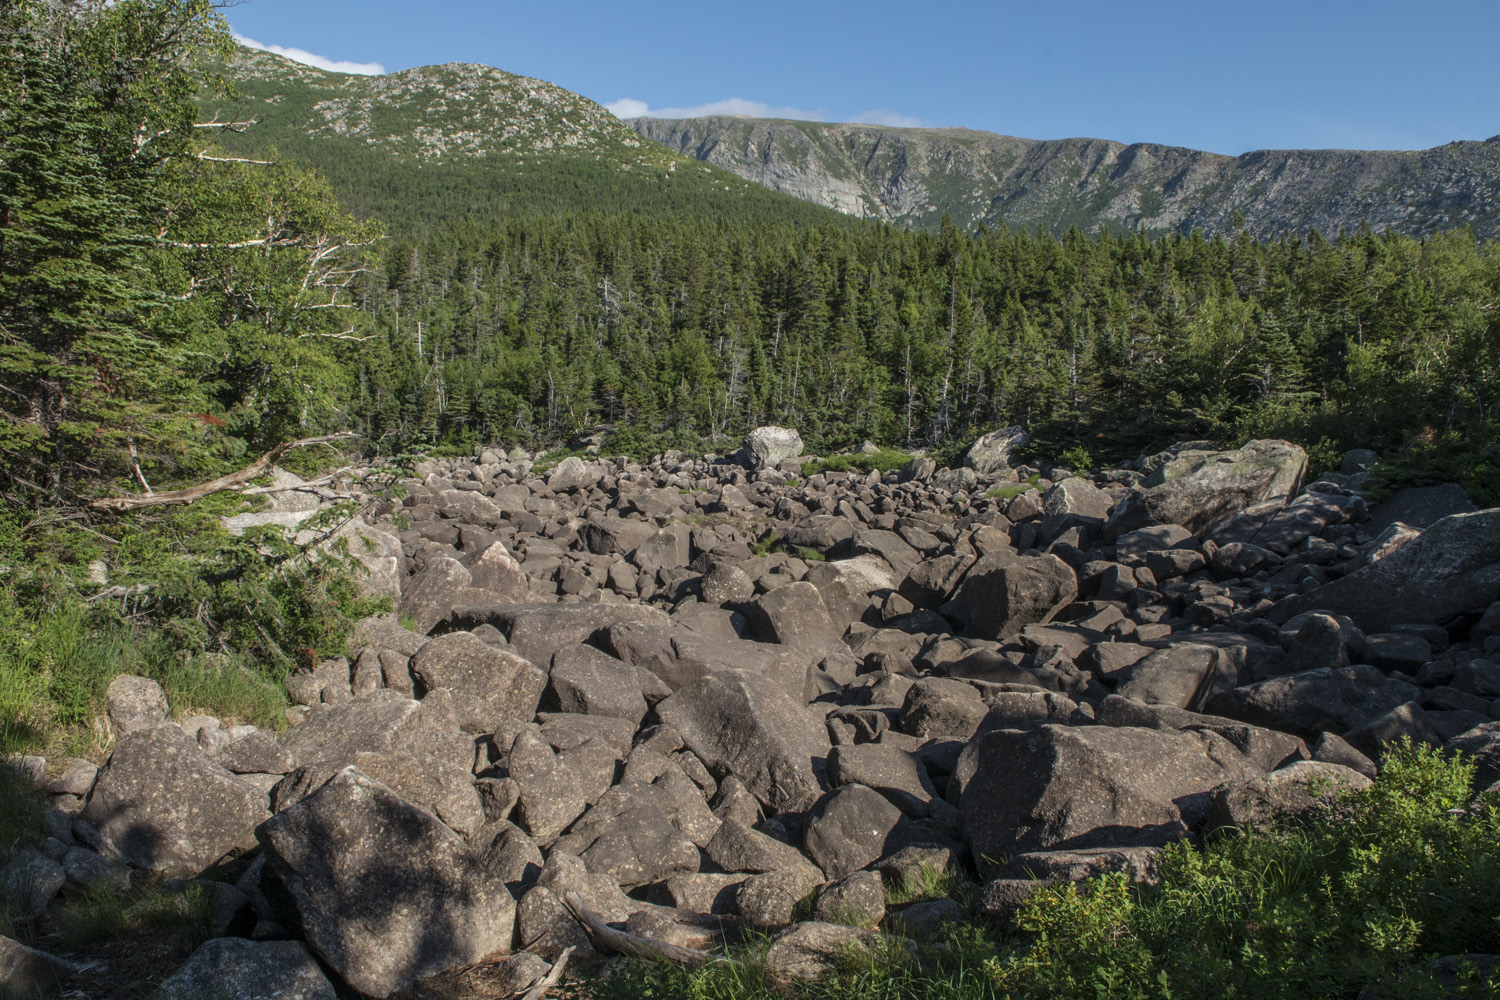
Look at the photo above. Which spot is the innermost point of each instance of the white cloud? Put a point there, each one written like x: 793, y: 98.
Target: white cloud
x: 629, y: 107
x: 321, y: 62
x: 890, y: 119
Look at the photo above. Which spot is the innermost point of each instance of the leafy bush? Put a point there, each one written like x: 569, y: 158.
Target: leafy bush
x: 1471, y: 460
x: 1390, y: 878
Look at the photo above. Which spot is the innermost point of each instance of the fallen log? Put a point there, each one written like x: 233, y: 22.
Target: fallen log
x: 233, y: 481
x: 605, y: 936
x: 552, y: 978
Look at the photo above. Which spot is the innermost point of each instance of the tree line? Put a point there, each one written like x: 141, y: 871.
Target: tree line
x: 536, y: 330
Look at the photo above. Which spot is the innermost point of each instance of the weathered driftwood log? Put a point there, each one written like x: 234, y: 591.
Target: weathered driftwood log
x: 552, y: 978
x: 233, y: 481
x: 625, y: 943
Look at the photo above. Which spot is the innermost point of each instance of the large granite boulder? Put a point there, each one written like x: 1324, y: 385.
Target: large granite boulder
x: 992, y: 451
x: 493, y: 684
x: 162, y: 803
x: 385, y: 893
x: 1328, y: 699
x: 1004, y: 593
x: 1452, y: 569
x: 237, y: 969
x: 1092, y: 786
x: 537, y: 631
x: 768, y: 447
x: 1198, y: 488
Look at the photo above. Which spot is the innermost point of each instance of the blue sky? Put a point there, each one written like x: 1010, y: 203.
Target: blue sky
x: 1223, y: 77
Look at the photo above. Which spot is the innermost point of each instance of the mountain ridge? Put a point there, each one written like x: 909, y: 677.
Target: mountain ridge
x: 914, y: 176
x: 427, y: 144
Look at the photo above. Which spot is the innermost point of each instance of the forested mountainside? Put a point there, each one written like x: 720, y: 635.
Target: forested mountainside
x: 913, y: 177
x: 460, y: 140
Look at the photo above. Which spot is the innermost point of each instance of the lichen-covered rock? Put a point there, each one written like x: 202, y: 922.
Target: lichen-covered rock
x: 161, y: 803
x: 1197, y: 488
x: 992, y: 451
x: 237, y: 969
x: 135, y: 703
x: 768, y: 447
x: 386, y: 894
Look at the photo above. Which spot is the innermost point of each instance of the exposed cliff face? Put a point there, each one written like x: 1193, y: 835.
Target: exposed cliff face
x: 914, y: 176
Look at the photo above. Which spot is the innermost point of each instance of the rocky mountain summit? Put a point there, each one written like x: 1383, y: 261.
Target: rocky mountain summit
x: 657, y: 706
x: 914, y: 177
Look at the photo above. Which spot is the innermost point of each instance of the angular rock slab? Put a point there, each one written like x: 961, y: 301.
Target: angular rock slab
x: 237, y: 969
x: 1094, y: 786
x: 387, y: 894
x: 1329, y: 699
x: 161, y: 803
x: 494, y: 684
x: 742, y: 723
x: 1000, y: 601
x: 1453, y: 568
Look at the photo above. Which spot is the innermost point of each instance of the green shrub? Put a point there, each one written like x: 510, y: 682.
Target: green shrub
x: 1390, y: 878
x: 885, y: 460
x: 1471, y: 460
x: 21, y: 808
x: 96, y: 914
x: 54, y: 671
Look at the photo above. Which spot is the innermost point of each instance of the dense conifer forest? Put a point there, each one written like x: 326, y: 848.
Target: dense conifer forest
x: 534, y: 330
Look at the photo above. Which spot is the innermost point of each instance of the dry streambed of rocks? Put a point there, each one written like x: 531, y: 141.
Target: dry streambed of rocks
x: 618, y: 702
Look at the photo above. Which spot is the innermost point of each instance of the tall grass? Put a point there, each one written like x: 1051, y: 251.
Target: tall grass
x: 55, y: 669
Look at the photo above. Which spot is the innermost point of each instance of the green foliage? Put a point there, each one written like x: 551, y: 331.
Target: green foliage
x: 540, y: 330
x: 764, y: 545
x: 21, y: 809
x: 96, y: 914
x: 1472, y: 459
x: 1077, y: 458
x: 54, y: 671
x: 885, y: 460
x: 163, y: 308
x: 1011, y: 492
x: 926, y: 882
x: 101, y: 912
x: 1390, y: 877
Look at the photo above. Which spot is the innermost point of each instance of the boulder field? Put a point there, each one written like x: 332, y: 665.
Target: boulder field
x: 616, y: 698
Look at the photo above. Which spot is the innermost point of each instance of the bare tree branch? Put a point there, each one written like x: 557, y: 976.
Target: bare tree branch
x: 234, y: 481
x: 553, y: 977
